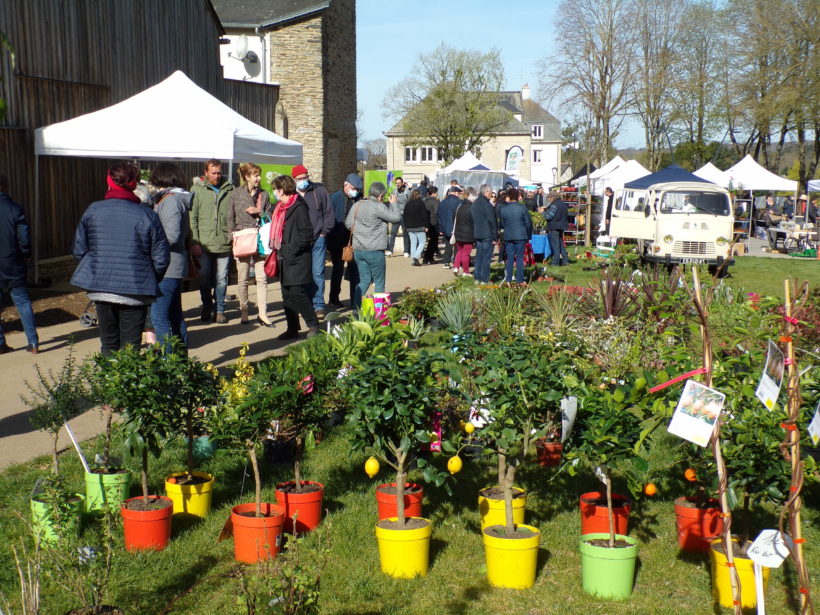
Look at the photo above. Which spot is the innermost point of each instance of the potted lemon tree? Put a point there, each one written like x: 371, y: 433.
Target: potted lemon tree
x: 392, y: 399
x: 512, y: 383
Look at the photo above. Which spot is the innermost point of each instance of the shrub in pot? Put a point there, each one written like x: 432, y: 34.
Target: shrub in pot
x: 139, y: 384
x: 393, y: 396
x: 516, y: 380
x: 612, y: 430
x: 240, y: 421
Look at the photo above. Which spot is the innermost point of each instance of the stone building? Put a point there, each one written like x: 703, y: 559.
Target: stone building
x: 308, y: 48
x: 531, y: 128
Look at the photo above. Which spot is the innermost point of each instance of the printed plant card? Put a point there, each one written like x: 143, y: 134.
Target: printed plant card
x: 569, y: 409
x: 769, y: 388
x: 814, y: 426
x: 698, y: 410
x: 768, y: 549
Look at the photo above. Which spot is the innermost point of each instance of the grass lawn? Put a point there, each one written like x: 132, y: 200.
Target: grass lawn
x: 196, y: 574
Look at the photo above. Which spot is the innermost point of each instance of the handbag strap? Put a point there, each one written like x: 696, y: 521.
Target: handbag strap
x: 353, y: 226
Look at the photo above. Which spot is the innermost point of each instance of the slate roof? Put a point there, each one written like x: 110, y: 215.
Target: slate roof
x: 265, y: 14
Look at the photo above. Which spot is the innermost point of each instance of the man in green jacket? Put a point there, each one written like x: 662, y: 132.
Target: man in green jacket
x: 211, y: 241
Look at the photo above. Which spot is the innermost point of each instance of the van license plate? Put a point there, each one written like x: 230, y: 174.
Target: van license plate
x: 693, y: 261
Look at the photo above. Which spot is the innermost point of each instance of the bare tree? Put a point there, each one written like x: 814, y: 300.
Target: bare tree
x: 592, y: 64
x: 449, y: 101
x: 376, y: 153
x: 657, y: 24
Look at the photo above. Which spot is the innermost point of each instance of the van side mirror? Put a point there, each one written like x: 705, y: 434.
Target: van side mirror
x: 646, y: 211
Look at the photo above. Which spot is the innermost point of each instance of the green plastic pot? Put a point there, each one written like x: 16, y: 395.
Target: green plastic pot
x: 608, y: 573
x: 43, y: 525
x: 102, y: 489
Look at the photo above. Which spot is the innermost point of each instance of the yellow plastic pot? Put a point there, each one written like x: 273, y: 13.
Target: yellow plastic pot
x: 511, y: 561
x: 492, y: 510
x: 721, y: 579
x: 404, y: 554
x: 192, y: 500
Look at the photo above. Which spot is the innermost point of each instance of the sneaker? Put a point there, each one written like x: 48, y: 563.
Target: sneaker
x: 406, y: 255
x: 447, y: 266
x: 320, y: 314
x: 336, y: 303
x: 32, y: 349
x: 416, y: 263
x: 205, y: 315
x: 466, y: 274
x: 388, y: 253
x: 288, y: 335
x: 221, y: 318
x: 312, y: 331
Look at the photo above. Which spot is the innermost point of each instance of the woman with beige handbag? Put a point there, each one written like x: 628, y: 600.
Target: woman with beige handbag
x: 248, y: 204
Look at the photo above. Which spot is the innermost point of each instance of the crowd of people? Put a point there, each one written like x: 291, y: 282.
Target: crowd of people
x: 136, y: 247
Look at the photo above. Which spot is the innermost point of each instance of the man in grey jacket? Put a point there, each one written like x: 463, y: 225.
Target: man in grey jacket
x: 367, y: 221
x: 402, y: 195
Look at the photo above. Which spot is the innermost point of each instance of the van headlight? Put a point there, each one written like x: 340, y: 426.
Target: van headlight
x: 668, y: 239
x: 721, y: 241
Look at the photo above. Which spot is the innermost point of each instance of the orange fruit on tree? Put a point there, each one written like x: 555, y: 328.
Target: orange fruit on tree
x: 690, y: 475
x: 650, y: 489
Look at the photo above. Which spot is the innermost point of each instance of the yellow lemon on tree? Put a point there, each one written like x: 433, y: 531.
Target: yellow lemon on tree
x: 650, y: 489
x: 371, y: 467
x: 469, y: 428
x: 454, y: 464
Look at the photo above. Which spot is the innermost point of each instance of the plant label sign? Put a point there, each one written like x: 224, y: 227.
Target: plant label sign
x: 769, y: 388
x: 696, y: 415
x: 569, y: 409
x: 814, y: 426
x: 769, y: 549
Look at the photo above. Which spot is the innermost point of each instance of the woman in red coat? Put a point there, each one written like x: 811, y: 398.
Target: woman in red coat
x: 292, y: 238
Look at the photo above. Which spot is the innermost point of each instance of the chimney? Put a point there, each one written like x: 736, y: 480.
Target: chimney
x: 525, y: 92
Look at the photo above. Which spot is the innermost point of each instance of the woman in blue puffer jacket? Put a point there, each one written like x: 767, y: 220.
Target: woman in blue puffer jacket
x: 123, y: 254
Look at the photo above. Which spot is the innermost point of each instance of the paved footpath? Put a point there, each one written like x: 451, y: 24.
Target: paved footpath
x: 20, y: 442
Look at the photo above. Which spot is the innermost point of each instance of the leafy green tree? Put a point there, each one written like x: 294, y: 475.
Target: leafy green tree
x: 450, y: 101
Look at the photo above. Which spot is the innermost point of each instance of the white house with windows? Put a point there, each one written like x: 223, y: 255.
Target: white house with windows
x: 531, y: 128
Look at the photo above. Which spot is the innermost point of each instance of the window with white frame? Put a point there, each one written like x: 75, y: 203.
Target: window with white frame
x: 537, y: 131
x: 410, y: 154
x: 428, y: 154
x: 536, y: 156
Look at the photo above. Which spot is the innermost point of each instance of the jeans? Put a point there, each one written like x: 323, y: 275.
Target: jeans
x: 120, y: 325
x: 371, y: 267
x: 166, y: 313
x: 213, y: 279
x: 483, y: 257
x: 559, y: 248
x: 515, y: 253
x: 394, y: 231
x: 19, y: 295
x: 417, y: 243
x: 317, y: 289
x: 462, y: 259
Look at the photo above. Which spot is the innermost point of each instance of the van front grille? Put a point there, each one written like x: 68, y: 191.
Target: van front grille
x: 693, y: 248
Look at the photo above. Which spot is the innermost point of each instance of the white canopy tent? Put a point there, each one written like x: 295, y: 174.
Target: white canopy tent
x: 711, y: 173
x: 470, y: 171
x: 604, y: 170
x: 467, y: 162
x: 615, y: 179
x: 174, y: 119
x: 748, y: 175
x: 814, y: 185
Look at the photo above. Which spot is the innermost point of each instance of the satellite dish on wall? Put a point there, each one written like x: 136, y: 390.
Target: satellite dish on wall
x: 241, y: 47
x: 252, y: 65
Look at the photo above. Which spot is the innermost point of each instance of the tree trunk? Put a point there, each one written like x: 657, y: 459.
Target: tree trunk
x: 256, y: 478
x: 55, y: 466
x: 502, y: 467
x: 189, y: 428
x: 109, y: 415
x: 297, y: 464
x: 610, y: 513
x: 509, y: 522
x: 144, y: 473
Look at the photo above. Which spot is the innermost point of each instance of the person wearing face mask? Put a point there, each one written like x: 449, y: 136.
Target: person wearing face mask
x: 322, y: 219
x: 338, y: 237
x: 402, y: 196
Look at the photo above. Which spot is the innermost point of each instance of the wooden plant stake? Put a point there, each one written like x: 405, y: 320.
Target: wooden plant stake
x: 723, y: 481
x: 790, y: 447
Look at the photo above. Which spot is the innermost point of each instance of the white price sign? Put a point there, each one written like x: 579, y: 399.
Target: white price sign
x: 768, y: 549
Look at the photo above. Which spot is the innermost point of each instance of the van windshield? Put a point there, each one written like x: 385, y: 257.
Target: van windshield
x: 712, y: 203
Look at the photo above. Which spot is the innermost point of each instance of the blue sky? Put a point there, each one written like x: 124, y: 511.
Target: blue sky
x: 390, y: 35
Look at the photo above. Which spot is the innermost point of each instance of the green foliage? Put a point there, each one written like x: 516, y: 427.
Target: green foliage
x: 418, y: 302
x: 455, y: 310
x: 503, y: 309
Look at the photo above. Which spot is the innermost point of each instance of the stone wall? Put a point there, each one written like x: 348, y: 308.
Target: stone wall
x: 314, y: 61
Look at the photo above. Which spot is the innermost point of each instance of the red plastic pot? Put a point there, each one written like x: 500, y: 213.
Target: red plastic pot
x: 147, y: 529
x: 306, y: 506
x: 257, y: 538
x: 386, y: 502
x: 549, y: 453
x: 697, y: 525
x: 595, y: 517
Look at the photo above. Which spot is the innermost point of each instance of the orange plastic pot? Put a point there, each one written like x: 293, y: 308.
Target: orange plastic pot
x: 386, y: 502
x: 307, y: 507
x: 595, y: 518
x: 549, y: 453
x: 147, y: 529
x: 697, y: 526
x: 257, y: 538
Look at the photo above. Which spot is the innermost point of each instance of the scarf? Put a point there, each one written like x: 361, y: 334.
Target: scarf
x: 277, y: 228
x: 116, y: 191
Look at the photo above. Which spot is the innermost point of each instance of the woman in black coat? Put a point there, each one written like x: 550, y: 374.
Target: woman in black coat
x: 464, y: 233
x: 292, y: 238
